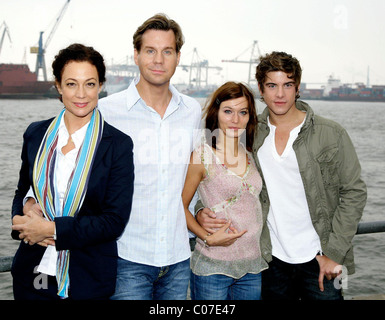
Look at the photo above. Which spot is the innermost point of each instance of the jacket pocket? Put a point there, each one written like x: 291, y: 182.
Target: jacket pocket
x: 328, y: 165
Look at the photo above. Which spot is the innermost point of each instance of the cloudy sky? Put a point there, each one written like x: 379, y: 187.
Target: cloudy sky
x: 342, y: 38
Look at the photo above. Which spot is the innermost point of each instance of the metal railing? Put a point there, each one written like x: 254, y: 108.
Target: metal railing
x: 371, y: 227
x: 363, y: 228
x: 5, y: 263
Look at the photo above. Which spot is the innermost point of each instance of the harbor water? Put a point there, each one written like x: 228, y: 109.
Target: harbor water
x: 364, y: 121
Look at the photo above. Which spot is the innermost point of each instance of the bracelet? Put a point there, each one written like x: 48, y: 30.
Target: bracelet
x: 205, y: 240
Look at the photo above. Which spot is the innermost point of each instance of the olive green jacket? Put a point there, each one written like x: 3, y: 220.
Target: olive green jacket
x: 331, y: 175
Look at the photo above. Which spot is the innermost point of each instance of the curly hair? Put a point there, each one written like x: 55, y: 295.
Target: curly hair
x: 78, y: 52
x: 279, y: 61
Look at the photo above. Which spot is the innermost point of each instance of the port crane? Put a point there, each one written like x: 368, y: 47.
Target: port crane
x: 5, y: 31
x: 40, y: 50
x: 254, y: 60
x: 127, y: 68
x: 199, y: 69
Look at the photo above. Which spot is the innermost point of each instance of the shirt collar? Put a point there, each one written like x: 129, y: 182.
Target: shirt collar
x: 133, y: 95
x: 294, y: 130
x: 77, y: 137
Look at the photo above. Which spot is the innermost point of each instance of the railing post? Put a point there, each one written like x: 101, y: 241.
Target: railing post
x: 5, y: 264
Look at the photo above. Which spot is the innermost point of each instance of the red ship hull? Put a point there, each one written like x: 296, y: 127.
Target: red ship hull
x: 17, y: 81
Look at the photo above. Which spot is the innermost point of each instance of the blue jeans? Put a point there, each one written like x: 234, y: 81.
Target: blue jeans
x: 221, y: 287
x: 285, y: 281
x: 137, y: 281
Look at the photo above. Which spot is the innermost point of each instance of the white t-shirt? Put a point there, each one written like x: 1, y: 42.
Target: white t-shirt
x: 293, y: 237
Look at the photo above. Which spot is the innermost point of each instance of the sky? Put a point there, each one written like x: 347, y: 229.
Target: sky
x: 342, y: 38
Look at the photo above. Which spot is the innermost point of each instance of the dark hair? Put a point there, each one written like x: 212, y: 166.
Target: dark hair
x: 230, y: 90
x: 279, y: 61
x: 159, y: 22
x: 80, y: 53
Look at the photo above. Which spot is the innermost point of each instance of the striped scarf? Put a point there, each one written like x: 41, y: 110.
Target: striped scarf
x: 44, y: 182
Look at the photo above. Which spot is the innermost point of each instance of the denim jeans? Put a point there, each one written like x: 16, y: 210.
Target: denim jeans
x: 137, y: 281
x: 221, y: 287
x: 285, y: 281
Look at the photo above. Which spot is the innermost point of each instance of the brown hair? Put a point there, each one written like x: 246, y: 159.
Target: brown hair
x: 159, y: 22
x: 279, y: 61
x: 79, y: 53
x: 230, y: 90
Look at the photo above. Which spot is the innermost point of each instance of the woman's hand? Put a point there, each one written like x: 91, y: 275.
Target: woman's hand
x: 225, y: 236
x: 34, y: 229
x: 18, y: 219
x: 32, y: 205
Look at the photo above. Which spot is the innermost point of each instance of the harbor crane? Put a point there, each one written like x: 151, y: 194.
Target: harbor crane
x: 40, y: 50
x: 199, y: 69
x: 5, y: 31
x: 127, y: 68
x: 254, y: 60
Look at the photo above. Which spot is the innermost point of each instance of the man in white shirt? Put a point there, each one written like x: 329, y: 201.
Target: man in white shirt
x: 154, y: 249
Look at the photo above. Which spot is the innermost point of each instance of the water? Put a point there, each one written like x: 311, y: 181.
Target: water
x: 15, y: 115
x: 364, y: 122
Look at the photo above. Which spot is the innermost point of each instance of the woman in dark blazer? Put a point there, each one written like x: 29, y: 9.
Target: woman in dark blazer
x: 81, y: 170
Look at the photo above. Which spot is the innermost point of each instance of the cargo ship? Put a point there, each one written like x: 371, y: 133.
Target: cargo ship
x: 359, y: 92
x: 18, y: 82
x: 334, y: 90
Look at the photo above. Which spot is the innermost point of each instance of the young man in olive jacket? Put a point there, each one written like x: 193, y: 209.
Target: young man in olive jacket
x: 313, y: 195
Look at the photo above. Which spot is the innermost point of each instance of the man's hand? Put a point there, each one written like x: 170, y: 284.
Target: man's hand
x: 207, y: 219
x: 328, y: 268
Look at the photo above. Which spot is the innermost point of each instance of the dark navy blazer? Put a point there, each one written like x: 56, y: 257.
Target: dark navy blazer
x: 91, y: 235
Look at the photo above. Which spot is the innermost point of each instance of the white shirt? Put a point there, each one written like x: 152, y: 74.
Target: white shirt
x: 65, y: 164
x: 293, y: 237
x: 156, y: 233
